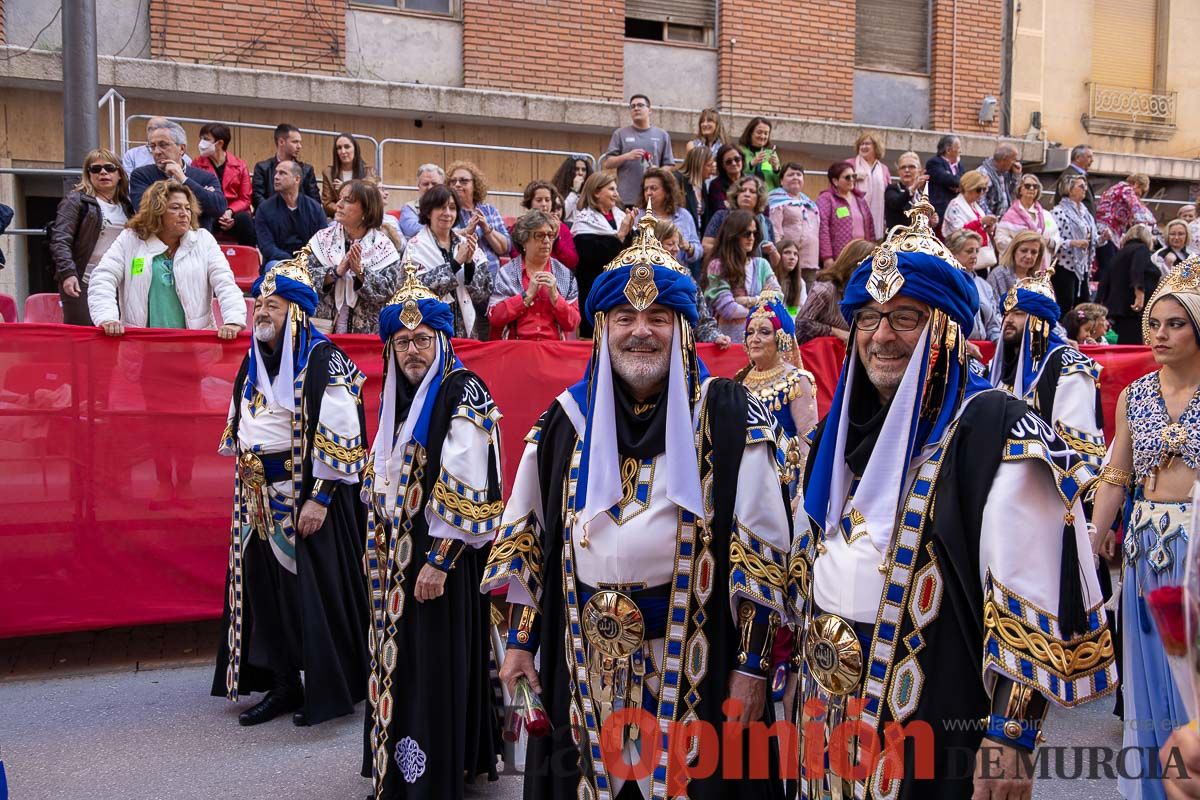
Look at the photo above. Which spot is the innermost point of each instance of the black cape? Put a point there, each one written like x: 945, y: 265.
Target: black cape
x: 441, y: 685
x: 319, y: 615
x: 552, y: 770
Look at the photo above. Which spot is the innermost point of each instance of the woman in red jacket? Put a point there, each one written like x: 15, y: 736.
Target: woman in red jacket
x: 237, y: 221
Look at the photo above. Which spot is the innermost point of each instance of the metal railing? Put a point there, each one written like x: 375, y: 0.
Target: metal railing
x: 1135, y: 106
x: 126, y: 141
x: 536, y: 151
x: 116, y: 119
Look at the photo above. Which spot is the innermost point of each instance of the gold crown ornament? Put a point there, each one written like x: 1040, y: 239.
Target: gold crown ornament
x: 410, y: 292
x: 295, y: 268
x: 642, y: 257
x: 1038, y: 284
x: 915, y: 237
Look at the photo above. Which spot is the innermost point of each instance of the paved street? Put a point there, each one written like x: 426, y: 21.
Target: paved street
x: 136, y: 733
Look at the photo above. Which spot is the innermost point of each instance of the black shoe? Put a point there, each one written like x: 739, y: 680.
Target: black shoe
x: 300, y: 719
x: 276, y: 702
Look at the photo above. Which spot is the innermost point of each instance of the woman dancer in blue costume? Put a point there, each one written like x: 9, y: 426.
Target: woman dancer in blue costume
x: 777, y: 376
x: 1156, y: 454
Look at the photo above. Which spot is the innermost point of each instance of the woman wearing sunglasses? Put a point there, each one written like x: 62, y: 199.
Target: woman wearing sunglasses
x: 729, y: 169
x: 845, y: 215
x: 1027, y: 214
x: 89, y: 219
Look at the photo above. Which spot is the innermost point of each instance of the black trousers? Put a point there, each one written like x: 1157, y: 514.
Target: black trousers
x: 1069, y: 291
x: 242, y: 230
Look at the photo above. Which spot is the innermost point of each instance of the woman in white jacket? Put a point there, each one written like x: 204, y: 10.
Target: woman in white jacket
x: 163, y: 271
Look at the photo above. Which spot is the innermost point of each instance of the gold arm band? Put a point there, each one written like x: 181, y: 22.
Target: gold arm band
x: 1116, y: 476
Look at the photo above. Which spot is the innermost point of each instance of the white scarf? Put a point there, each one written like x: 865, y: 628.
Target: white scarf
x: 679, y: 462
x: 388, y: 451
x: 880, y: 492
x: 589, y: 220
x: 329, y: 248
x: 280, y: 391
x: 426, y: 252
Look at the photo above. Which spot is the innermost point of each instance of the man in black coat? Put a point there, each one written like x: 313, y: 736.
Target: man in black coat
x: 944, y: 171
x: 288, y: 144
x: 167, y: 145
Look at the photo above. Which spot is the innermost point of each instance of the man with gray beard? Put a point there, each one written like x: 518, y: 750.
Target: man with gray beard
x: 643, y: 553
x: 296, y: 600
x: 936, y: 571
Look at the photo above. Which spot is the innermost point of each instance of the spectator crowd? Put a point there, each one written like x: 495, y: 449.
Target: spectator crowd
x: 743, y: 220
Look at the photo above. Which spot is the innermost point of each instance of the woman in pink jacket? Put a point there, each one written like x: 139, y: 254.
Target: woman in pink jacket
x: 844, y: 212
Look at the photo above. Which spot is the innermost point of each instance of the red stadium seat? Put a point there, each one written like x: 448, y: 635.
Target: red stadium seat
x: 509, y: 222
x: 394, y: 212
x: 45, y: 307
x: 216, y: 306
x: 244, y: 261
x: 8, y: 307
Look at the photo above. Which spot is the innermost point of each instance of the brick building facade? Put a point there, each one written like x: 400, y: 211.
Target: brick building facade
x: 275, y: 35
x: 551, y: 47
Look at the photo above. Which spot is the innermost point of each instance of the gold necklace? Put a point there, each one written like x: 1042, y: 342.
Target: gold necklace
x: 756, y: 377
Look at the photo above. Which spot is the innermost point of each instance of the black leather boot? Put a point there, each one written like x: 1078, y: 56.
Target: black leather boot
x: 276, y: 703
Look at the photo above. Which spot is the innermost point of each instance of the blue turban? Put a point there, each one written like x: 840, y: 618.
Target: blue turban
x: 927, y: 278
x: 784, y: 321
x: 1038, y: 305
x: 291, y: 290
x: 676, y: 291
x: 434, y: 313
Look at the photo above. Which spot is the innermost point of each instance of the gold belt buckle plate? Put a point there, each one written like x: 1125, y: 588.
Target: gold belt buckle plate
x: 833, y: 654
x: 251, y: 470
x: 613, y: 624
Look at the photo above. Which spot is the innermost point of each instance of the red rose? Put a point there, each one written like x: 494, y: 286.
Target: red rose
x: 1166, y: 606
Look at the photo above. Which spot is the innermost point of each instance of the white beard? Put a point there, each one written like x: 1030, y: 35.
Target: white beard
x: 264, y: 332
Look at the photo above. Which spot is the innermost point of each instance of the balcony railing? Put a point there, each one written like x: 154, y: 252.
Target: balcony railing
x: 1119, y: 110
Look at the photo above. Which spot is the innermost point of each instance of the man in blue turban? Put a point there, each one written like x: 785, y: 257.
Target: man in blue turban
x: 433, y: 492
x: 296, y: 602
x: 1036, y: 364
x: 643, y: 549
x: 936, y: 567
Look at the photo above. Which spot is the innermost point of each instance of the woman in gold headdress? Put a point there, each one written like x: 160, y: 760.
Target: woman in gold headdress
x: 1156, y: 454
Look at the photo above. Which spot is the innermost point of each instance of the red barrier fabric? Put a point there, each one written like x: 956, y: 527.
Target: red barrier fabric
x: 116, y: 505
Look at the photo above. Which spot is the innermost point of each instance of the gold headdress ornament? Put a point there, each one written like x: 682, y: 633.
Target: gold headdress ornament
x: 1038, y: 284
x: 915, y: 237
x: 295, y: 268
x: 1183, y: 279
x: 410, y: 292
x: 642, y: 257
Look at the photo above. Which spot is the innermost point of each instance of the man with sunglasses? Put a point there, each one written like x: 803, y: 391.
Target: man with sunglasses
x: 936, y: 566
x: 432, y: 488
x: 295, y: 599
x: 634, y: 148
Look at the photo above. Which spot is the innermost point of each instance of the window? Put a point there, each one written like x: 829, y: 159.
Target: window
x: 690, y: 21
x: 892, y: 35
x: 1124, y: 43
x: 447, y: 7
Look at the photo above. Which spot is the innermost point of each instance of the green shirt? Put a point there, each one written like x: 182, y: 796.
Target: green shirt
x: 165, y: 309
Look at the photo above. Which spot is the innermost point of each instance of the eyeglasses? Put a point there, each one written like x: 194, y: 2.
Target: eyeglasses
x: 849, y: 177
x: 1029, y: 186
x: 461, y: 181
x: 750, y: 234
x: 96, y: 169
x: 153, y: 146
x: 639, y: 105
x: 422, y: 342
x: 543, y: 236
x: 902, y: 319
x: 731, y: 161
